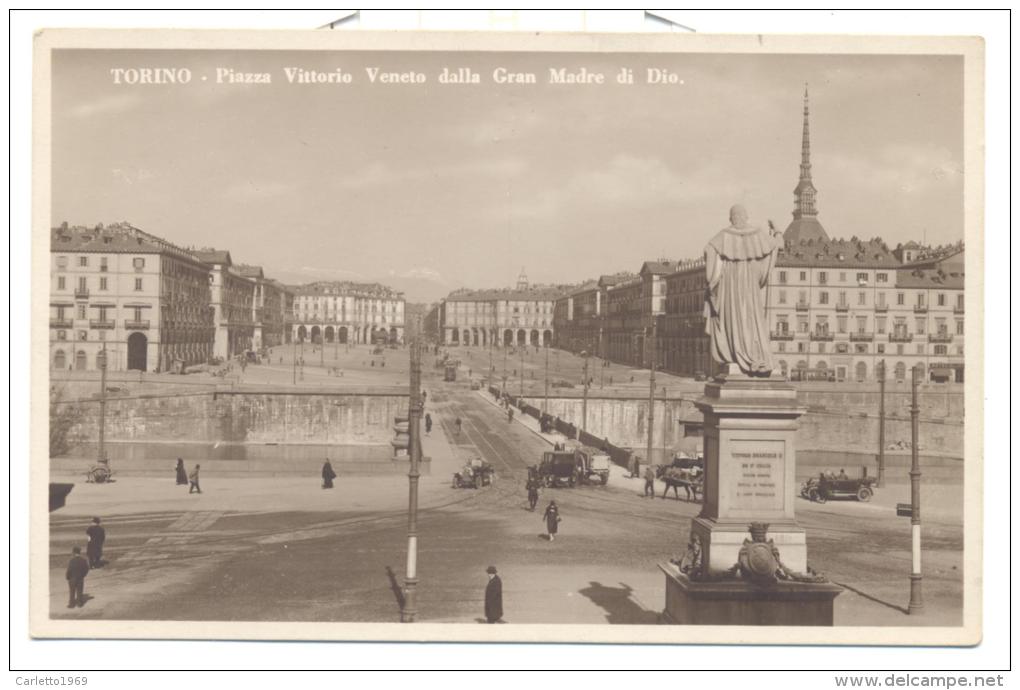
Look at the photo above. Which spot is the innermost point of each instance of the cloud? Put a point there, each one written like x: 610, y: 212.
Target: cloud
x: 250, y: 190
x: 104, y: 106
x: 909, y: 169
x: 381, y: 174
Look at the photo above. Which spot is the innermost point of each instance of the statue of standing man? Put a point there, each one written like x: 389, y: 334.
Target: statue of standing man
x: 738, y: 261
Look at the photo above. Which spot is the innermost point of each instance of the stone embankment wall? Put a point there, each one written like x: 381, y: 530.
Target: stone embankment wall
x: 839, y: 417
x: 241, y: 432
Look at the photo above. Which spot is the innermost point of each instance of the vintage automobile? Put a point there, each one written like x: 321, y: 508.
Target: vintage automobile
x: 558, y: 468
x: 474, y: 475
x: 450, y: 372
x: 825, y: 486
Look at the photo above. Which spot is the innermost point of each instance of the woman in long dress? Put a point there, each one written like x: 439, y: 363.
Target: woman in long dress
x: 182, y: 474
x: 552, y: 520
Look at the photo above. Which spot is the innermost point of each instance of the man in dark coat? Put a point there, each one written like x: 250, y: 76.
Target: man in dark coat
x: 97, y: 537
x: 428, y: 423
x: 77, y: 569
x: 328, y: 475
x: 493, y: 596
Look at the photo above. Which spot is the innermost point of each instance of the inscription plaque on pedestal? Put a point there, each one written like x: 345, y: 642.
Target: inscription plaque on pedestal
x: 758, y: 476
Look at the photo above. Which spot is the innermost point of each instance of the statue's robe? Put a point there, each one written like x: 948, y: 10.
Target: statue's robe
x: 737, y: 265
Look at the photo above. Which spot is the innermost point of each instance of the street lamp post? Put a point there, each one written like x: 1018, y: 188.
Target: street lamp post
x: 881, y: 424
x: 410, y: 608
x: 545, y: 408
x: 651, y: 399
x: 294, y: 367
x: 916, y: 605
x: 584, y: 399
x: 522, y: 372
x: 101, y: 363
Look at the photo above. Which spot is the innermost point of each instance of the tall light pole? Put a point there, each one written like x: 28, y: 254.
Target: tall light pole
x: 522, y: 372
x: 545, y: 409
x: 916, y: 601
x: 881, y: 424
x: 101, y: 363
x: 410, y: 608
x: 651, y: 399
x: 584, y: 399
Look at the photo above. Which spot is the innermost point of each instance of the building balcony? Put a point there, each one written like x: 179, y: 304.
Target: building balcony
x: 823, y: 336
x: 802, y: 306
x: 61, y: 323
x: 861, y: 337
x: 940, y: 337
x: 842, y: 307
x: 957, y: 310
x: 81, y: 293
x: 139, y: 325
x: 782, y: 335
x: 900, y: 338
x: 920, y: 309
x: 882, y: 307
x: 100, y: 323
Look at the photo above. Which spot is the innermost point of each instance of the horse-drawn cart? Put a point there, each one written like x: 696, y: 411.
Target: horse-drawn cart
x: 824, y: 487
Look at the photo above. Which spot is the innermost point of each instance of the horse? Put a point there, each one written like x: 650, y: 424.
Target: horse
x: 675, y: 477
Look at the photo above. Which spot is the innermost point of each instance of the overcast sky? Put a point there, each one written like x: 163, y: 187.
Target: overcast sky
x: 432, y: 187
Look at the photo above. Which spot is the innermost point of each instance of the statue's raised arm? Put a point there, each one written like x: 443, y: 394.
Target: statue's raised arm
x: 738, y: 261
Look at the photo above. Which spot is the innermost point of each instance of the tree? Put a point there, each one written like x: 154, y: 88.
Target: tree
x: 64, y: 416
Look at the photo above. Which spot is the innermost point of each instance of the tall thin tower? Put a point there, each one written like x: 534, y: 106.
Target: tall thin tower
x: 805, y: 225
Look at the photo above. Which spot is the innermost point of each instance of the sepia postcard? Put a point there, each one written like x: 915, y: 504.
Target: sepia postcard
x: 507, y: 338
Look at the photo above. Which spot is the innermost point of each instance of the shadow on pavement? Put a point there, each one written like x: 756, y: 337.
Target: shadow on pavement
x: 618, y: 605
x: 398, y: 593
x: 870, y: 597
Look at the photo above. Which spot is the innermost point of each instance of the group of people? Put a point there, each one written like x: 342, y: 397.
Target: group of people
x: 191, y: 479
x: 79, y: 566
x: 832, y: 476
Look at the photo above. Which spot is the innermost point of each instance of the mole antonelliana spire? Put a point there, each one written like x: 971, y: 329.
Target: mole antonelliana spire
x: 805, y: 225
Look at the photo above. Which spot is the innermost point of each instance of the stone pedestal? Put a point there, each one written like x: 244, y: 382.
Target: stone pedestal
x: 738, y: 602
x: 750, y: 468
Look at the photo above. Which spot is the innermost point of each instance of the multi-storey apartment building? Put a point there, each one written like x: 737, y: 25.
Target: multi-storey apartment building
x: 272, y: 306
x: 332, y: 311
x: 233, y: 297
x: 522, y: 315
x: 140, y: 298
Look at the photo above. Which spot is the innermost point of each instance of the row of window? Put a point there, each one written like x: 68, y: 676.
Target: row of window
x: 137, y: 262
x: 864, y: 348
x: 941, y: 299
x: 103, y: 312
x: 823, y: 277
x: 899, y: 325
x: 83, y: 284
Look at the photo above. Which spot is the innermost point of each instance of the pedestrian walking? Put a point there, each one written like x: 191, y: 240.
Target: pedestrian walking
x: 182, y: 474
x: 456, y: 423
x: 493, y: 596
x: 649, y: 481
x: 77, y: 569
x: 636, y: 469
x: 509, y: 414
x: 328, y: 475
x: 94, y: 549
x: 428, y: 423
x: 552, y: 520
x: 193, y: 481
x: 532, y: 487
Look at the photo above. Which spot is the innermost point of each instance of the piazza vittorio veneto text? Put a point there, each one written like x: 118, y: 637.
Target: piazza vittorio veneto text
x: 671, y: 340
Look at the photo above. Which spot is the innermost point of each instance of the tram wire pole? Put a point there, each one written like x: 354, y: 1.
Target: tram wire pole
x: 409, y: 610
x: 916, y: 605
x: 881, y: 425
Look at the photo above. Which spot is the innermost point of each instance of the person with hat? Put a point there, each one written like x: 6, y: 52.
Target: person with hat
x: 77, y: 569
x: 94, y: 549
x: 493, y: 596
